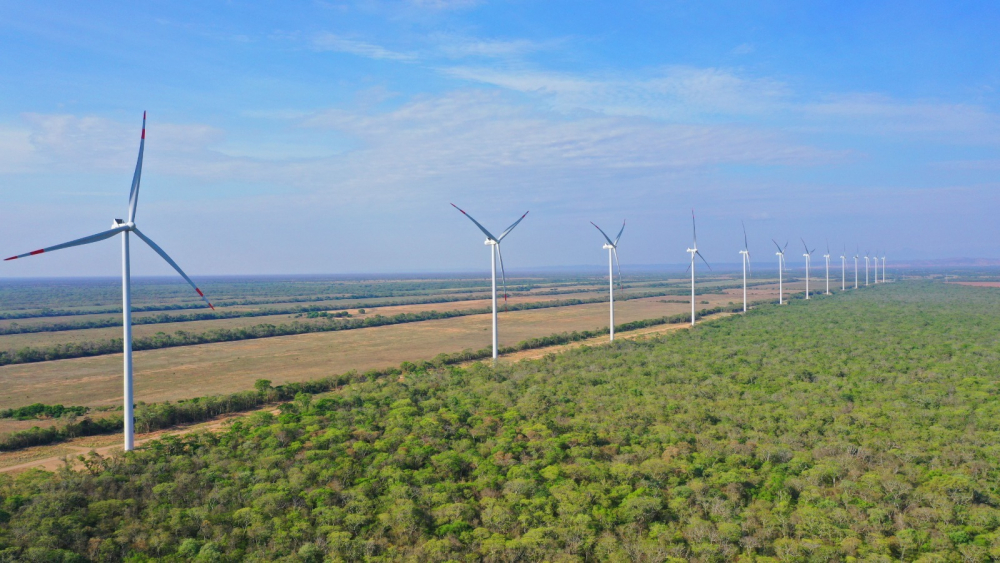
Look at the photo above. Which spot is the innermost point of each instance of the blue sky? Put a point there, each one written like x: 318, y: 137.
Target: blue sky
x: 329, y: 137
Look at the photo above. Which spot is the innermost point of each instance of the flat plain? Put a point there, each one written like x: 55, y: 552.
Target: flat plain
x: 223, y: 367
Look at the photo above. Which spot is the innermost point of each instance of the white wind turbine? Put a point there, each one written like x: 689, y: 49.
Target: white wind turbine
x: 693, y: 252
x: 781, y: 268
x: 883, y: 266
x: 843, y: 270
x: 808, y: 256
x: 746, y: 264
x: 857, y: 254
x: 612, y: 248
x: 827, y: 256
x: 494, y: 243
x: 876, y: 266
x: 126, y: 227
x: 866, y: 268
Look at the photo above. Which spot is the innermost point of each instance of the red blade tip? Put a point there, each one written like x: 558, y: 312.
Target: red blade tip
x: 11, y: 258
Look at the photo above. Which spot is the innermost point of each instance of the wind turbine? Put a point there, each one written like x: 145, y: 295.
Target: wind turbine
x: 857, y: 254
x: 693, y: 252
x: 126, y: 227
x: 808, y: 256
x: 866, y: 268
x: 827, y: 256
x: 612, y: 248
x: 494, y: 242
x: 781, y: 268
x: 876, y: 266
x: 843, y: 270
x: 746, y: 263
x: 883, y: 266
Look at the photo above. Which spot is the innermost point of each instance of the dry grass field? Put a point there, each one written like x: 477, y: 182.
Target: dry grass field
x: 192, y: 371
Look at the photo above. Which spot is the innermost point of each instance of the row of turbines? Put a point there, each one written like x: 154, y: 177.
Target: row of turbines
x: 128, y: 226
x: 612, y: 247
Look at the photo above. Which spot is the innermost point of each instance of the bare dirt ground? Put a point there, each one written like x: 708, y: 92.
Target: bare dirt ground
x: 53, y: 457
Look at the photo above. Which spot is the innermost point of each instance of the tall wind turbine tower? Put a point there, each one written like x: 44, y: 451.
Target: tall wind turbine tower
x: 866, y: 268
x: 694, y: 251
x: 883, y: 266
x: 827, y: 256
x: 126, y: 227
x: 746, y: 263
x: 494, y: 244
x: 612, y: 248
x: 808, y: 256
x: 781, y: 269
x: 857, y: 254
x: 876, y: 266
x: 843, y: 270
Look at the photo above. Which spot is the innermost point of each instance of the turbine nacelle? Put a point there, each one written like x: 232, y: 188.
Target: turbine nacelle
x: 119, y: 223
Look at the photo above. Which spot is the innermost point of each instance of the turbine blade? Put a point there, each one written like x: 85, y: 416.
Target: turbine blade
x: 170, y: 261
x: 778, y: 246
x: 481, y: 228
x: 614, y: 251
x: 694, y: 230
x: 703, y: 259
x: 133, y: 196
x: 746, y: 245
x: 85, y: 240
x: 503, y: 277
x: 619, y: 237
x: 603, y: 233
x: 804, y: 245
x: 511, y: 228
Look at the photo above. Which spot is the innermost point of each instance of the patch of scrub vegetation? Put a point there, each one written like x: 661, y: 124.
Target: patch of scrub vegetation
x: 863, y: 426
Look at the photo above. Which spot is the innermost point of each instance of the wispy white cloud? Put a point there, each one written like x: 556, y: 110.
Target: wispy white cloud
x: 458, y: 47
x: 878, y: 114
x: 329, y: 42
x: 672, y: 92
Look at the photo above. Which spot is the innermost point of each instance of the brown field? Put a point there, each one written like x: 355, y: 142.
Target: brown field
x: 11, y: 342
x: 192, y: 371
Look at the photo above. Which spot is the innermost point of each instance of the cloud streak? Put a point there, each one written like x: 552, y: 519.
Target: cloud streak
x: 329, y: 42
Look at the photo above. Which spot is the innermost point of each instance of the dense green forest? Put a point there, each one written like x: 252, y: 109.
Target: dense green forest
x: 863, y: 426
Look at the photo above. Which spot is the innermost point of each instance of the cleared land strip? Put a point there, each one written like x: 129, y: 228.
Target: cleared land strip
x: 48, y: 346
x: 170, y: 374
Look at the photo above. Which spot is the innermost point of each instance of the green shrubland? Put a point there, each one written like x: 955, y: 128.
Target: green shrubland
x: 862, y: 426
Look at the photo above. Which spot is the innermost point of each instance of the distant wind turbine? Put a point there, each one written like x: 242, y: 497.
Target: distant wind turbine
x: 857, y: 254
x: 126, y: 227
x: 781, y: 268
x: 843, y: 270
x: 746, y: 263
x: 883, y: 266
x: 866, y: 268
x: 612, y: 253
x: 694, y: 251
x: 494, y: 242
x: 827, y: 256
x: 876, y: 266
x: 808, y: 256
